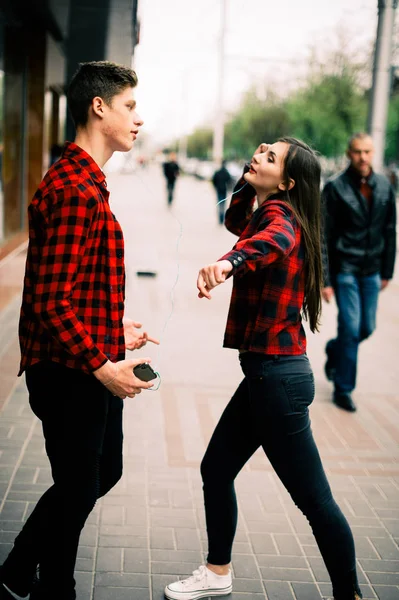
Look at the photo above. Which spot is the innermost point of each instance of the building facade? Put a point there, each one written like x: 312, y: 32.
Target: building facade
x: 41, y: 44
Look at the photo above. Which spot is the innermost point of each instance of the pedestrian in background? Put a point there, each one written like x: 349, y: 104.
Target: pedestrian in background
x: 221, y: 182
x: 171, y: 170
x: 360, y: 239
x: 277, y: 270
x: 73, y: 333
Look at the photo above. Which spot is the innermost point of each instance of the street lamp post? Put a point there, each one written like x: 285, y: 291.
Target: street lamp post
x: 379, y: 100
x: 218, y: 131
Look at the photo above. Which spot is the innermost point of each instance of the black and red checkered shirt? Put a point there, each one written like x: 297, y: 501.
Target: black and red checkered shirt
x: 74, y: 286
x: 269, y: 279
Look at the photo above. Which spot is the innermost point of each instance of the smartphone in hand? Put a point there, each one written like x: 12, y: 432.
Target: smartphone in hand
x: 145, y: 372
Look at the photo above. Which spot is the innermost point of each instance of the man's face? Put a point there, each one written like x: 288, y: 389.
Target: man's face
x: 361, y: 155
x: 121, y: 122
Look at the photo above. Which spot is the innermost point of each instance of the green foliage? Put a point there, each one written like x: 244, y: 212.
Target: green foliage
x: 199, y: 143
x: 255, y: 121
x: 392, y: 138
x: 325, y: 111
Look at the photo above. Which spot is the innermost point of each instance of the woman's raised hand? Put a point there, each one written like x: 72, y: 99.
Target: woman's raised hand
x: 261, y: 148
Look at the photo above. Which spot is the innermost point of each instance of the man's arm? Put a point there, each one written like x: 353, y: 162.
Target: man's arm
x: 239, y: 213
x: 67, y: 230
x: 389, y: 233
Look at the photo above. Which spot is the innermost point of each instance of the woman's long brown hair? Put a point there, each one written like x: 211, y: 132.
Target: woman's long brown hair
x: 302, y: 165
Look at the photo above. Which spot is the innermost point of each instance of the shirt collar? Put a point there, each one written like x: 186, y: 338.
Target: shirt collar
x: 77, y: 154
x: 358, y: 179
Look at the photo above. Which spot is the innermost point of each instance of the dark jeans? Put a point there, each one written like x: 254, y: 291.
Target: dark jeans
x: 221, y: 201
x: 170, y: 185
x: 357, y: 299
x: 82, y: 427
x: 270, y: 409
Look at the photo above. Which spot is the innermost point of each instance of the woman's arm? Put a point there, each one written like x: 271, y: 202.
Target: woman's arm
x: 274, y: 240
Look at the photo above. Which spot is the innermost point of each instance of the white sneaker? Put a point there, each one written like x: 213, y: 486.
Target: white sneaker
x: 203, y: 583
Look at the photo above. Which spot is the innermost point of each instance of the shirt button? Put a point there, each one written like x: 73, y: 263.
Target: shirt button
x: 119, y: 254
x: 239, y: 258
x: 235, y: 262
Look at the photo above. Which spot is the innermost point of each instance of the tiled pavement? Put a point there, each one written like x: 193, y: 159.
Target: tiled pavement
x: 150, y: 529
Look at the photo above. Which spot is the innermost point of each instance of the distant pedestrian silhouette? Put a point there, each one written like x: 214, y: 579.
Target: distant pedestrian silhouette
x: 221, y: 181
x: 171, y: 171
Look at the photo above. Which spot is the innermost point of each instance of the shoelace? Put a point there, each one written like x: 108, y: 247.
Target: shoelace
x: 196, y: 576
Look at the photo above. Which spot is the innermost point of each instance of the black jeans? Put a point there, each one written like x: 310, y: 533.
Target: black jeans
x: 170, y: 184
x: 270, y: 409
x: 82, y: 426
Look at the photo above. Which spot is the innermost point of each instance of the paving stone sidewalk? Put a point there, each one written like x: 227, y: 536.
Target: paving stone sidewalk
x: 150, y: 529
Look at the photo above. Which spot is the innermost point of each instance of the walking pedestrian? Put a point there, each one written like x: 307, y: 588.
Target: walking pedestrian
x: 360, y: 234
x: 73, y: 334
x: 277, y: 270
x: 221, y: 181
x: 171, y: 170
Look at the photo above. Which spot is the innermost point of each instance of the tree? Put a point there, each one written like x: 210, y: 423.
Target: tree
x: 256, y: 120
x: 392, y: 137
x: 327, y: 112
x: 199, y: 143
x: 332, y: 103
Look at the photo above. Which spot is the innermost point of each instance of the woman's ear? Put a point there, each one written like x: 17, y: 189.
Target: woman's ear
x: 281, y: 186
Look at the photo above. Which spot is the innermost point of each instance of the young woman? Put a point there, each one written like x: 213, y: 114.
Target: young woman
x: 277, y: 271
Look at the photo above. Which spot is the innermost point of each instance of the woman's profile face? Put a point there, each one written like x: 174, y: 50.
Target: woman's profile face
x: 266, y: 170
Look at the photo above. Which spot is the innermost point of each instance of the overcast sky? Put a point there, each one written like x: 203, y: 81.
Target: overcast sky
x: 267, y: 40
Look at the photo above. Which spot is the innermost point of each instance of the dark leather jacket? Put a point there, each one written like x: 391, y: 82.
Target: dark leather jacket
x: 357, y: 239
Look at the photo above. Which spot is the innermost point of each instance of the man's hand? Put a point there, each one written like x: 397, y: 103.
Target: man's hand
x: 327, y: 293
x: 134, y: 340
x: 211, y: 276
x: 119, y: 378
x: 384, y: 283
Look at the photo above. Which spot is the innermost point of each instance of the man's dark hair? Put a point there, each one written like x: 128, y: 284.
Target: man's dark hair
x: 99, y: 78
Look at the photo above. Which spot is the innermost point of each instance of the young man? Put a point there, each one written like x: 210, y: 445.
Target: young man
x: 72, y: 333
x: 360, y: 235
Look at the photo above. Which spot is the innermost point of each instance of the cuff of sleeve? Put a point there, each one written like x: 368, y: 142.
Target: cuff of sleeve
x: 237, y: 259
x: 95, y: 359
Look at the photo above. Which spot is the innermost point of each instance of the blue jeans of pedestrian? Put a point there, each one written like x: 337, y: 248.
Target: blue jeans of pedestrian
x: 270, y: 410
x: 357, y: 299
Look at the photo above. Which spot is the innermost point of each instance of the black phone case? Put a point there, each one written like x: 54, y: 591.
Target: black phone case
x: 144, y: 372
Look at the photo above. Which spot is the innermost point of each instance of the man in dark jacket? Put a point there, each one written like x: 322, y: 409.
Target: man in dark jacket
x: 221, y: 181
x: 360, y: 237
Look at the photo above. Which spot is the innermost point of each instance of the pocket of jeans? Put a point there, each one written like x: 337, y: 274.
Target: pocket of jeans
x: 300, y: 390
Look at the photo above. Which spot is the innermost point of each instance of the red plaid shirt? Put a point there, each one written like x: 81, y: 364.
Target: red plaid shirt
x: 74, y: 286
x: 268, y: 287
